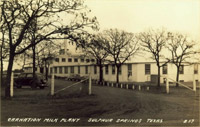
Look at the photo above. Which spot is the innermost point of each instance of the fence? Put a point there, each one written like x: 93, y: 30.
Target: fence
x: 167, y: 84
x: 132, y: 86
x: 53, y: 92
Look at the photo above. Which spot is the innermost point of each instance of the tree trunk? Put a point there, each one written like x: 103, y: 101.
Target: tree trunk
x: 24, y: 61
x: 46, y: 70
x: 9, y: 71
x: 2, y: 57
x: 1, y: 65
x: 34, y: 30
x: 34, y: 66
x: 100, y: 73
x: 99, y: 64
x: 177, y: 76
x: 158, y: 83
x: 117, y: 76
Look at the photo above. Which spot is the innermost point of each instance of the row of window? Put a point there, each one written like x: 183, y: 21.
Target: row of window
x: 74, y: 60
x: 164, y: 69
x: 129, y: 69
x: 113, y: 69
x: 148, y: 69
x: 70, y: 69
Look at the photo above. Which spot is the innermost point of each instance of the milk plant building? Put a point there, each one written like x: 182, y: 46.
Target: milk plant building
x: 68, y: 64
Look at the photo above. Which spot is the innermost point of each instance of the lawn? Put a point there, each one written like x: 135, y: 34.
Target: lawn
x: 107, y: 106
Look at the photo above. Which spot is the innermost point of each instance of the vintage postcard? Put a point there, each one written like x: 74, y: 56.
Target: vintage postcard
x: 100, y: 63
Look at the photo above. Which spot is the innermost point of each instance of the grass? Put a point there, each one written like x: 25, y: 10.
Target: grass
x: 105, y: 103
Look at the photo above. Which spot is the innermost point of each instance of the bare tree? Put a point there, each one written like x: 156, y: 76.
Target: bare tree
x: 47, y: 53
x: 3, y: 46
x: 181, y: 49
x: 19, y: 15
x: 44, y: 53
x: 33, y: 38
x: 120, y: 45
x: 96, y: 50
x: 153, y: 42
x: 22, y: 60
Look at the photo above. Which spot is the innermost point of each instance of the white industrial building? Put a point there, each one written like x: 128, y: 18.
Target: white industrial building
x: 129, y: 72
x: 75, y: 63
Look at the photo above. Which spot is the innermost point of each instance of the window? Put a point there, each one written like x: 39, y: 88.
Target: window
x: 181, y: 69
x: 86, y: 69
x: 147, y: 69
x: 63, y: 60
x: 55, y: 70
x: 66, y: 69
x: 195, y: 68
x: 95, y: 69
x: 60, y: 70
x: 51, y: 70
x: 87, y: 60
x: 75, y: 59
x: 72, y: 69
x: 82, y: 60
x: 57, y: 59
x: 120, y: 70
x: 92, y: 60
x: 106, y: 69
x: 129, y: 69
x: 69, y: 59
x: 62, y: 51
x: 165, y: 69
x: 113, y: 69
x: 79, y: 69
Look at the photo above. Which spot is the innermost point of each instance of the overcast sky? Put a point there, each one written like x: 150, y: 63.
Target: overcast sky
x: 140, y: 15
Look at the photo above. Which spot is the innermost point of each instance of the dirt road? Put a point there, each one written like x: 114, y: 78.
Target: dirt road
x: 106, y: 106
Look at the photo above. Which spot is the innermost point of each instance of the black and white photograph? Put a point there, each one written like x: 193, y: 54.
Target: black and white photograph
x: 99, y: 63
